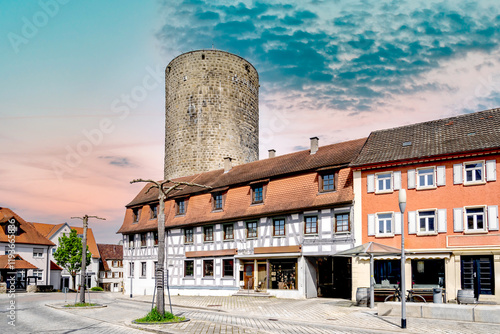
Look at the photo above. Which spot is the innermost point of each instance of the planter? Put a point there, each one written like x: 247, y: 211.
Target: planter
x: 363, y: 296
x: 466, y: 296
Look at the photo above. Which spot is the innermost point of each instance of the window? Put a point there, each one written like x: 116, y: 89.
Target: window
x: 131, y: 273
x: 425, y: 178
x: 257, y: 194
x: 155, y: 267
x: 188, y: 268
x: 38, y: 273
x: 188, y: 235
x: 155, y: 238
x: 154, y: 211
x: 208, y: 268
x: 279, y: 227
x: 217, y: 201
x: 384, y: 224
x: 136, y: 213
x: 311, y: 225
x: 252, y: 230
x: 143, y: 269
x: 115, y: 263
x: 228, y: 232
x: 208, y: 231
x: 131, y: 241
x: 474, y: 172
x: 144, y: 240
x: 427, y: 221
x: 53, y: 251
x: 387, y: 273
x: 383, y: 182
x: 228, y: 267
x: 38, y: 253
x: 283, y: 274
x: 180, y: 207
x: 475, y: 219
x: 327, y: 182
x: 342, y: 222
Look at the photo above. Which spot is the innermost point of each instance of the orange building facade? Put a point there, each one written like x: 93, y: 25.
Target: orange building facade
x: 449, y: 170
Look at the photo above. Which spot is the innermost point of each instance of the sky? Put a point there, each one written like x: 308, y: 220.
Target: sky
x: 332, y: 69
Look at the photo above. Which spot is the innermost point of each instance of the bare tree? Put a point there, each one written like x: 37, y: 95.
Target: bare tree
x: 163, y: 192
x: 84, y: 253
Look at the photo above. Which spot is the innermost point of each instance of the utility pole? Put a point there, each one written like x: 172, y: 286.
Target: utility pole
x: 163, y: 192
x: 84, y: 253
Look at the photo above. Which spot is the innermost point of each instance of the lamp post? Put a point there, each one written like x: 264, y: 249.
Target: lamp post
x: 402, y: 207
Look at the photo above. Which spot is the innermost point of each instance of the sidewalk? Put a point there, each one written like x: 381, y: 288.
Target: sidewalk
x: 274, y: 315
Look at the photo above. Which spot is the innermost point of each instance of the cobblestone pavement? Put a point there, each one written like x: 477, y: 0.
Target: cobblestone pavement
x: 217, y: 315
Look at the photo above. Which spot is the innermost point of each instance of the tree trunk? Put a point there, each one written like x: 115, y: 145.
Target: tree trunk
x: 160, y: 294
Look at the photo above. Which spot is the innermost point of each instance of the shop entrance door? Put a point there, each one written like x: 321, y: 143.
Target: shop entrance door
x: 477, y: 274
x: 248, y: 276
x: 262, y: 277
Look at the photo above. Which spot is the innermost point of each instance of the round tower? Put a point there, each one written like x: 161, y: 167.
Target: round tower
x: 212, y: 112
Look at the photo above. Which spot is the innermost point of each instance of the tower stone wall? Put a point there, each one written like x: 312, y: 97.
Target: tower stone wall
x: 212, y: 112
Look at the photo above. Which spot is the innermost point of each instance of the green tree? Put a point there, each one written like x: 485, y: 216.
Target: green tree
x: 69, y: 254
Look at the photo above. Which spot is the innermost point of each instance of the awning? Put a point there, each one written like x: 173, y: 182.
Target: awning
x: 15, y: 263
x: 268, y: 256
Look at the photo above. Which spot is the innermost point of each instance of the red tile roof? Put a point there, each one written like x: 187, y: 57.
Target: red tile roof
x: 54, y: 266
x: 28, y: 235
x: 109, y: 252
x: 292, y: 187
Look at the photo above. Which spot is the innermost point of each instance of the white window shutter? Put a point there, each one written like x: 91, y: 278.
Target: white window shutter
x: 397, y: 180
x: 412, y: 224
x: 371, y: 224
x: 441, y: 176
x: 491, y: 170
x: 370, y: 183
x: 397, y: 223
x: 441, y: 219
x: 458, y: 225
x: 493, y: 217
x: 411, y: 179
x: 457, y: 174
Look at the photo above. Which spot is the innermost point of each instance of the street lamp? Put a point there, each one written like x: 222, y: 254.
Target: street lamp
x: 402, y: 207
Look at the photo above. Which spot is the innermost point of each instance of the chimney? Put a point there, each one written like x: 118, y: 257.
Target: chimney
x: 272, y: 153
x: 227, y: 164
x: 314, y: 145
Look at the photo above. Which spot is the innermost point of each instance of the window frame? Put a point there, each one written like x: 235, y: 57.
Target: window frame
x: 348, y: 222
x: 482, y: 169
x: 306, y: 223
x: 391, y: 183
x: 217, y: 198
x: 377, y: 225
x: 205, y: 263
x: 190, y: 235
x: 186, y: 268
x: 224, y: 267
x: 224, y: 231
x: 260, y: 199
x: 155, y: 238
x: 418, y: 222
x: 136, y: 215
x: 426, y: 186
x: 144, y: 240
x: 180, y: 206
x: 333, y: 181
x: 131, y: 269
x: 211, y: 229
x: 281, y: 228
x: 38, y: 254
x: 153, y: 209
x: 485, y: 219
x: 131, y: 241
x: 256, y: 229
x: 144, y: 269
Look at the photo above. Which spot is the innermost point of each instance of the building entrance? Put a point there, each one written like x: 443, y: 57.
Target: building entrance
x: 334, y: 277
x: 477, y: 274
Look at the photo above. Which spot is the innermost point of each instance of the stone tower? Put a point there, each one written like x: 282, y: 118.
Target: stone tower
x: 212, y: 112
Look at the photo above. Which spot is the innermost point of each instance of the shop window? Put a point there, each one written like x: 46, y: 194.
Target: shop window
x: 228, y: 267
x: 311, y: 225
x: 427, y: 274
x: 188, y: 268
x: 208, y: 268
x: 228, y: 232
x: 387, y: 273
x: 283, y: 274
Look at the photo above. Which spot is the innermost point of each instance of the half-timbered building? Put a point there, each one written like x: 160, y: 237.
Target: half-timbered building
x: 268, y: 226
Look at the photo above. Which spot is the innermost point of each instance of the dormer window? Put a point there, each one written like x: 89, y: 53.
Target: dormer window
x: 327, y: 182
x: 257, y: 194
x: 136, y: 214
x: 217, y: 199
x: 180, y: 207
x: 154, y: 211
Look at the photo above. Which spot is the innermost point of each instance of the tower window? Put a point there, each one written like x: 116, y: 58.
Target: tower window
x: 202, y: 57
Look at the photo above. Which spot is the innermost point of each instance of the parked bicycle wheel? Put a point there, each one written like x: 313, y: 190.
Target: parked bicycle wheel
x: 392, y: 298
x: 417, y: 299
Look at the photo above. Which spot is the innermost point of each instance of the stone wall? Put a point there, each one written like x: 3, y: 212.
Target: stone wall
x: 212, y: 112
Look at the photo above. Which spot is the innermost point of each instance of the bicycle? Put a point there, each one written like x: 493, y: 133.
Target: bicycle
x: 412, y: 297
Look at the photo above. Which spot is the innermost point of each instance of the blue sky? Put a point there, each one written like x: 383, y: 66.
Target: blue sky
x: 82, y: 96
